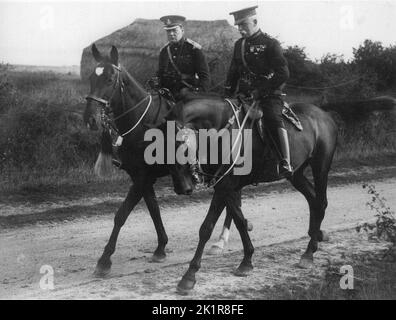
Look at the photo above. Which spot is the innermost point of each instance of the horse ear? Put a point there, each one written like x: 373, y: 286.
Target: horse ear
x: 114, y: 55
x: 95, y: 52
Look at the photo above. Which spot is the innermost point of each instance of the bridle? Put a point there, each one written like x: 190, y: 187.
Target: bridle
x: 107, y: 122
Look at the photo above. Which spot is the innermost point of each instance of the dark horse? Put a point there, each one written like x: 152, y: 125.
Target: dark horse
x: 314, y: 146
x: 116, y: 99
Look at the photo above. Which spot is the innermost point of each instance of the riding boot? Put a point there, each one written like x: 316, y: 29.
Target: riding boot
x: 285, y: 169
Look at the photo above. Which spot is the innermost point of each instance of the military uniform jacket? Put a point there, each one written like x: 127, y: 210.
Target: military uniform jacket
x: 190, y: 60
x: 267, y: 69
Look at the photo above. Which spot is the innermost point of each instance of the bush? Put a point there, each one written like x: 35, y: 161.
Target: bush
x: 371, y: 57
x: 303, y: 72
x: 43, y: 136
x: 7, y: 89
x: 384, y: 227
x: 372, y: 69
x: 43, y: 130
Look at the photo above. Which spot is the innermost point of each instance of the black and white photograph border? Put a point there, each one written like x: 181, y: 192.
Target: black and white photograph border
x: 108, y: 192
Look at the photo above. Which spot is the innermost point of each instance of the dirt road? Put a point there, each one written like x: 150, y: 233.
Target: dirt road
x: 280, y: 219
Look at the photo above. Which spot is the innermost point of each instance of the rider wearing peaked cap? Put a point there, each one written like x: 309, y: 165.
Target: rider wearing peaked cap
x: 182, y: 63
x: 259, y: 69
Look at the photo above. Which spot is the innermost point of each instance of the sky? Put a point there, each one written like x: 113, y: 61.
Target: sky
x: 55, y: 32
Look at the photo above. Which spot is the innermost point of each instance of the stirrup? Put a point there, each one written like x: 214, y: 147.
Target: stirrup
x: 284, y: 169
x: 116, y: 163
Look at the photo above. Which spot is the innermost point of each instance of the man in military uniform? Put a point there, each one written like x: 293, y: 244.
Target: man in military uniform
x: 182, y: 63
x: 260, y: 70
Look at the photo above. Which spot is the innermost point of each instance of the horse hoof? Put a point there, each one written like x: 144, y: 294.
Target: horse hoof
x: 157, y: 258
x: 215, y: 250
x: 305, y: 263
x: 101, y: 272
x: 325, y: 236
x: 243, y: 271
x: 185, y: 286
x: 249, y: 226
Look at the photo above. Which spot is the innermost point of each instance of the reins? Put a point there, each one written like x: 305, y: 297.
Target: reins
x: 106, y: 105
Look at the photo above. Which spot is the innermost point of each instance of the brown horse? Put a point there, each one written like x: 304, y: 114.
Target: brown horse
x: 118, y: 101
x: 314, y: 146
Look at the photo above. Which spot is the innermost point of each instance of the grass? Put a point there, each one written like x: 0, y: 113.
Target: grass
x: 374, y: 279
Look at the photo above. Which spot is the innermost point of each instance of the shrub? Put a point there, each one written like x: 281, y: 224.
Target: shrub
x: 44, y: 130
x: 303, y: 72
x: 385, y: 225
x: 7, y: 89
x: 40, y: 136
x: 371, y: 57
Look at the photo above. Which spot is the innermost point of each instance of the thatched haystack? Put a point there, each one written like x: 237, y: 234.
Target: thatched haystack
x: 140, y: 42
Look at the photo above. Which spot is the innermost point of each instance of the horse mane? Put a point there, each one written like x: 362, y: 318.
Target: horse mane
x: 134, y: 82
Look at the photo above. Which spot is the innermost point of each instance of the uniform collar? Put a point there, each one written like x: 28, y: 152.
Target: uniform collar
x: 254, y: 35
x: 179, y: 43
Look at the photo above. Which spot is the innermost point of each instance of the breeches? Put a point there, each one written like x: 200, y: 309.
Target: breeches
x: 272, y: 112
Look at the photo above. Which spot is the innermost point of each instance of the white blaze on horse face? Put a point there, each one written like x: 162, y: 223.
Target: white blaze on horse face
x: 99, y: 70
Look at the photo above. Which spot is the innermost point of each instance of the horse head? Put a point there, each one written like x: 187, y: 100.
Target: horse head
x: 103, y: 82
x: 114, y: 91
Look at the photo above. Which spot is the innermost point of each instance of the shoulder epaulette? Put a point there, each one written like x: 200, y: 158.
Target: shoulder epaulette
x: 164, y: 46
x: 196, y: 45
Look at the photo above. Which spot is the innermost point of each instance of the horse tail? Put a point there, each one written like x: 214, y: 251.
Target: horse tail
x: 361, y: 107
x: 103, y: 165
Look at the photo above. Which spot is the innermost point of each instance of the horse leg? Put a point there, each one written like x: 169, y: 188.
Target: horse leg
x: 218, y: 247
x: 317, y: 200
x: 216, y: 207
x: 104, y: 263
x: 234, y: 206
x: 320, y: 165
x: 302, y: 184
x: 152, y: 205
x: 320, y: 174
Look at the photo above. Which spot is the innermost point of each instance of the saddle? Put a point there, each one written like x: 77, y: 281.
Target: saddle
x: 256, y: 114
x: 269, y: 171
